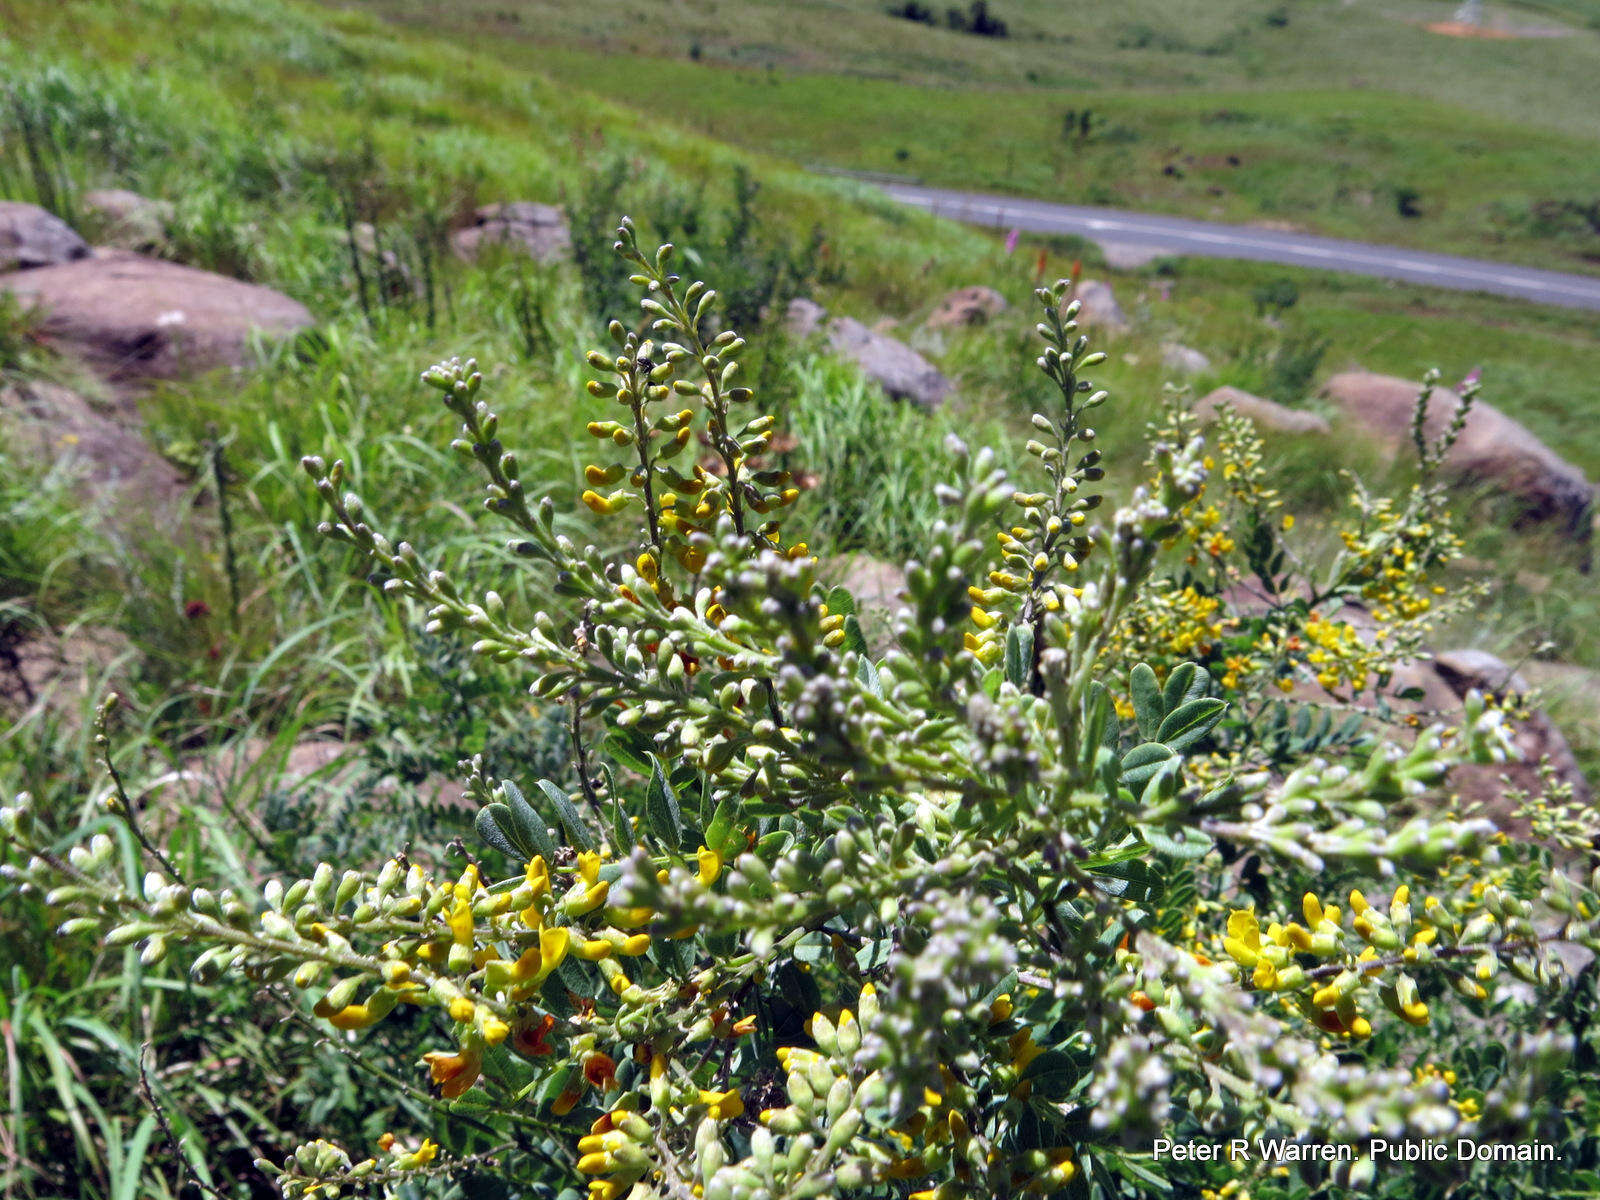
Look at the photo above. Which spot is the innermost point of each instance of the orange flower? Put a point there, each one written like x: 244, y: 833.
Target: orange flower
x: 453, y: 1074
x: 600, y: 1071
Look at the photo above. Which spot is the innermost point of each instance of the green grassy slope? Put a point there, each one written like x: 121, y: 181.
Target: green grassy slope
x: 1330, y: 117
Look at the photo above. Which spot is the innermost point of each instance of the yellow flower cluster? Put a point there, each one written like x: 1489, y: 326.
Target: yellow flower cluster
x: 1339, y: 655
x: 1029, y: 556
x: 1468, y: 1106
x: 483, y: 956
x: 1170, y: 622
x: 1316, y: 963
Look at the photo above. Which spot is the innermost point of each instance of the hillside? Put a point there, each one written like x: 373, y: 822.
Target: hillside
x: 1347, y: 119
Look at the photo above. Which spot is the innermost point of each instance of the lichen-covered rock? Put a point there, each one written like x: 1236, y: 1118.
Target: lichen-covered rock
x: 31, y: 237
x: 127, y: 219
x: 1185, y: 360
x: 1493, y: 450
x: 1267, y: 414
x: 803, y: 317
x: 137, y: 317
x: 101, y: 444
x: 896, y: 367
x: 1098, y: 305
x: 966, y: 307
x: 537, y: 230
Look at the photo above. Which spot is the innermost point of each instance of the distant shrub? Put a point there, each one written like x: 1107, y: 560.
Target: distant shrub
x: 1408, y: 202
x: 976, y: 19
x: 1294, y: 365
x: 1275, y: 297
x: 913, y: 11
x: 761, y: 271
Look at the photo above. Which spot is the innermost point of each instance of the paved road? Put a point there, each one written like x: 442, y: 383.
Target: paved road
x: 1176, y: 235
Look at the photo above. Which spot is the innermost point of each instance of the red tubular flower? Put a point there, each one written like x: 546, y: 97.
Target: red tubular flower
x: 530, y: 1041
x: 600, y: 1071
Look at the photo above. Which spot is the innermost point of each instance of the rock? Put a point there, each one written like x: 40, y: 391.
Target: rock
x: 127, y: 219
x: 1267, y: 414
x: 104, y: 447
x: 897, y: 368
x: 968, y: 306
x: 1493, y: 451
x: 879, y: 589
x: 1465, y: 670
x: 31, y: 237
x: 803, y: 318
x: 1183, y: 359
x: 537, y: 230
x: 60, y: 671
x: 140, y: 317
x: 1536, y: 737
x: 1098, y: 305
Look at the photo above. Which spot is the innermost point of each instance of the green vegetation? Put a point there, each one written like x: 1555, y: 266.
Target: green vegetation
x: 274, y: 128
x: 1344, y: 119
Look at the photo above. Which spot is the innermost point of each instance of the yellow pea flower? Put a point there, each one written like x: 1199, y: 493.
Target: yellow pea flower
x: 709, y: 866
x: 723, y: 1106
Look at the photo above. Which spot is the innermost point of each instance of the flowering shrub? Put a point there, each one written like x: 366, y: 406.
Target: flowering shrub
x: 977, y: 918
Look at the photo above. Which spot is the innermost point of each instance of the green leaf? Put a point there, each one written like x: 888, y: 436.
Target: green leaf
x: 619, y: 748
x: 1178, y: 843
x: 868, y: 674
x: 621, y: 825
x: 1019, y: 656
x: 841, y: 602
x: 1147, y: 704
x: 1132, y: 879
x: 707, y: 811
x: 661, y: 808
x: 1052, y: 1074
x: 854, y: 639
x: 1188, y: 681
x: 1142, y: 762
x: 527, y: 824
x: 1097, y: 718
x: 1190, y: 722
x: 578, y: 833
x: 492, y: 823
x: 721, y: 833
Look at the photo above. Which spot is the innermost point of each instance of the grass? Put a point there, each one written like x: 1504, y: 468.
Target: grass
x: 1208, y: 110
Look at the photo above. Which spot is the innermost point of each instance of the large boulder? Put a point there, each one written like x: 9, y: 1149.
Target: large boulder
x: 803, y: 317
x: 100, y: 444
x: 1183, y: 360
x: 896, y: 367
x: 1536, y: 735
x: 1493, y: 451
x: 137, y: 317
x: 1098, y: 305
x: 537, y: 230
x: 967, y: 306
x: 61, y: 671
x: 127, y: 219
x: 878, y: 588
x: 32, y: 237
x: 1267, y: 414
